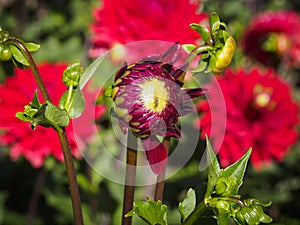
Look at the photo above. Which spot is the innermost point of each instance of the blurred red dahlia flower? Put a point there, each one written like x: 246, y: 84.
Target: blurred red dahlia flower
x: 121, y: 21
x: 260, y: 114
x: 36, y: 145
x: 149, y: 99
x: 272, y: 37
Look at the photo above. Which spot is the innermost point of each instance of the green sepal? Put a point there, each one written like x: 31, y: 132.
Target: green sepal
x: 72, y: 74
x: 213, y: 169
x: 76, y: 104
x: 152, y: 212
x: 187, y: 206
x: 203, y: 31
x: 214, y: 22
x: 236, y: 171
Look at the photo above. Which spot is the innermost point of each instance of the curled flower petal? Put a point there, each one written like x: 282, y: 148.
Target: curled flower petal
x: 156, y: 154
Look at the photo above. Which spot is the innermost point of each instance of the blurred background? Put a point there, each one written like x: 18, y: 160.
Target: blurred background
x: 33, y: 181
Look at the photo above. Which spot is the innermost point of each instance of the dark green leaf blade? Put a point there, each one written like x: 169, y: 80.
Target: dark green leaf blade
x: 237, y: 171
x: 56, y: 116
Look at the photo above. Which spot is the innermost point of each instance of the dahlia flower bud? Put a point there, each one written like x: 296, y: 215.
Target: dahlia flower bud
x: 224, y: 55
x: 149, y: 99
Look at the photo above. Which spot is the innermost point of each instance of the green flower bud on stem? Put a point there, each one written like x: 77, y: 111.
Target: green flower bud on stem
x: 224, y: 55
x: 72, y: 74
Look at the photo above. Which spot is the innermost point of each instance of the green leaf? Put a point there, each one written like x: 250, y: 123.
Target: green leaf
x: 188, y: 47
x: 90, y: 70
x: 77, y: 103
x: 32, y: 47
x: 22, y: 116
x: 18, y: 56
x: 237, y: 171
x: 35, y: 103
x: 201, y: 67
x: 214, y: 22
x: 212, y: 63
x: 152, y: 212
x: 213, y: 169
x: 50, y: 115
x: 203, y: 31
x: 187, y: 206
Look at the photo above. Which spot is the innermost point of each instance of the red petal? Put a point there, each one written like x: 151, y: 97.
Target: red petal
x: 156, y: 154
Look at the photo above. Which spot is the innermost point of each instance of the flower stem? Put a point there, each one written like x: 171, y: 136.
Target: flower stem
x: 32, y: 66
x: 197, y: 51
x: 75, y: 195
x: 131, y: 159
x: 194, y: 216
x: 160, y: 182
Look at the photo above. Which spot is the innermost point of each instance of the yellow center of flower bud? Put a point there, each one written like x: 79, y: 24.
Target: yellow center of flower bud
x: 154, y: 95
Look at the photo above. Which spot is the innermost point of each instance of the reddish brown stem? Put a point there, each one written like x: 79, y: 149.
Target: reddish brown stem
x: 131, y: 160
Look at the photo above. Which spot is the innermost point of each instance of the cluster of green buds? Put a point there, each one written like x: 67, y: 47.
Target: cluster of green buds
x: 226, y: 204
x: 71, y: 103
x: 222, y: 196
x: 218, y: 49
x: 14, y: 49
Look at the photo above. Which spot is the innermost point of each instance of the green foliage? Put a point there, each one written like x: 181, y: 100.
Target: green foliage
x: 152, y: 212
x: 187, y: 206
x: 46, y: 115
x: 218, y: 49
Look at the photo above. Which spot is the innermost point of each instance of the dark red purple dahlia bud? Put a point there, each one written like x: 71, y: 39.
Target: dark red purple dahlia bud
x: 149, y: 99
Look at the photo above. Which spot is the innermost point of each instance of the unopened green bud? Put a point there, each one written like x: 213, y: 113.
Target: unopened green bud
x: 223, y: 187
x: 72, y: 74
x: 5, y: 54
x: 223, y: 206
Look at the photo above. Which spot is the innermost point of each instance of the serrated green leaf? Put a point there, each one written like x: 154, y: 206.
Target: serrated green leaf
x: 152, y: 212
x: 187, y: 206
x: 32, y: 47
x: 18, y: 55
x: 214, y: 22
x: 51, y: 115
x: 188, y: 47
x: 203, y: 31
x: 237, y: 171
x: 213, y: 169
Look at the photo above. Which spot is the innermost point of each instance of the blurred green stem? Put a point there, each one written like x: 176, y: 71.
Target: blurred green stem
x: 75, y: 195
x: 131, y: 160
x: 160, y: 182
x: 194, y: 216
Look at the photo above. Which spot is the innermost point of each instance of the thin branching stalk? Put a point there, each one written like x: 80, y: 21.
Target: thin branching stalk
x: 75, y: 195
x: 131, y: 160
x: 160, y: 182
